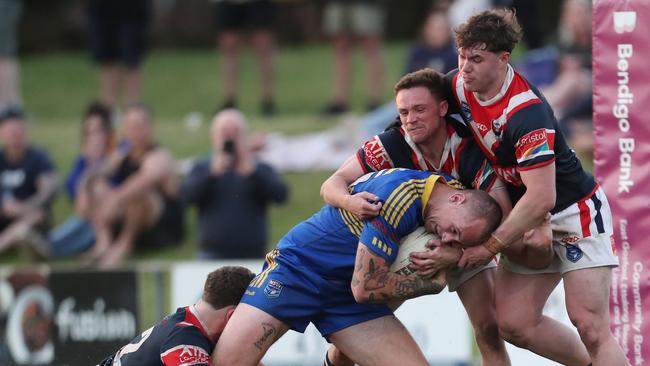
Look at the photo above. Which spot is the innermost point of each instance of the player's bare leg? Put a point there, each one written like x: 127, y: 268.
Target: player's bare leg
x: 379, y: 342
x: 475, y: 294
x: 247, y: 336
x: 587, y: 300
x: 520, y: 300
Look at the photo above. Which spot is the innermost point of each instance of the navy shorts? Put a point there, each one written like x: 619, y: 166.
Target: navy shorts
x: 252, y: 15
x: 297, y: 296
x: 117, y: 40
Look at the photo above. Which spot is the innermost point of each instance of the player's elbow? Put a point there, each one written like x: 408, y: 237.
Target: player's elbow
x: 361, y: 295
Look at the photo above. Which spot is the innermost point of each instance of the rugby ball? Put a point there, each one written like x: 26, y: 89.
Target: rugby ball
x: 413, y: 242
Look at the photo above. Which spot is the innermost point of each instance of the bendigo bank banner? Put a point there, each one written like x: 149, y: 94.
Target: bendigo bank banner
x: 621, y: 51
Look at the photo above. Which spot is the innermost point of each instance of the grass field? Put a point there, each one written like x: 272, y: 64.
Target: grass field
x: 56, y: 87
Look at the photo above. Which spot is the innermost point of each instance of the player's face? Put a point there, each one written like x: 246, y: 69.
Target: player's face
x: 421, y: 113
x: 482, y: 71
x: 452, y: 225
x: 13, y: 134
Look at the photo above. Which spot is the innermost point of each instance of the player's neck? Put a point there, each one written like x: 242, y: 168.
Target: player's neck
x: 439, y: 196
x: 213, y: 320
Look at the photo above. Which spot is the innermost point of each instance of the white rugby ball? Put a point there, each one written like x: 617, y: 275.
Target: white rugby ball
x: 413, y: 242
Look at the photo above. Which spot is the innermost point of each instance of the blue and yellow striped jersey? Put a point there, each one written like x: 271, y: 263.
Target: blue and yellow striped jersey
x: 327, y: 242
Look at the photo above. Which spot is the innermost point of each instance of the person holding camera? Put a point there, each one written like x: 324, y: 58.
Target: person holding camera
x: 232, y: 191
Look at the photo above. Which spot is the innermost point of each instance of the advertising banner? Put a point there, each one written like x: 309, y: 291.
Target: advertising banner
x: 96, y: 313
x: 26, y: 314
x: 622, y: 154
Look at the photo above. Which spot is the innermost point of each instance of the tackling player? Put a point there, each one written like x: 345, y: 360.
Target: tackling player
x: 333, y: 270
x: 517, y: 131
x: 188, y: 336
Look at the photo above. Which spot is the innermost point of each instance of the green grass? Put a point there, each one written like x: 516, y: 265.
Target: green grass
x: 56, y: 88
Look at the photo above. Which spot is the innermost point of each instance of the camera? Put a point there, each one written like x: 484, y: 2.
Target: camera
x: 229, y: 147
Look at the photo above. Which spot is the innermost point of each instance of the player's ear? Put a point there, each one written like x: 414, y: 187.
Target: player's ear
x: 504, y: 57
x: 457, y: 198
x: 229, y: 312
x: 443, y: 106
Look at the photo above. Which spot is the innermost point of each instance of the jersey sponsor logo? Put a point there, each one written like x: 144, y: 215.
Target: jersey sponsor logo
x: 185, y: 355
x: 380, y: 225
x: 571, y: 239
x: 273, y: 289
x: 573, y: 253
x: 376, y: 155
x: 498, y: 126
x: 533, y: 144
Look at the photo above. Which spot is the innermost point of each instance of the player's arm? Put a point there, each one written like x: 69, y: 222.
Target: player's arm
x: 334, y: 191
x: 373, y: 281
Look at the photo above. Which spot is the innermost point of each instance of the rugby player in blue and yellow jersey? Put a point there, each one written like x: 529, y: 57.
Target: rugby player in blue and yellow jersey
x: 333, y: 270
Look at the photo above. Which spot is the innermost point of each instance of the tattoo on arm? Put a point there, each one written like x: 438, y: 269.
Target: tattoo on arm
x: 268, y: 330
x: 373, y: 275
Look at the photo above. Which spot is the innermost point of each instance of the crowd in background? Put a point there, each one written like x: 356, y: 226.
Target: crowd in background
x: 127, y: 190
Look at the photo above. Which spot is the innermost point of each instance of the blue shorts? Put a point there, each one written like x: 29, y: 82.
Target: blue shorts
x: 297, y: 296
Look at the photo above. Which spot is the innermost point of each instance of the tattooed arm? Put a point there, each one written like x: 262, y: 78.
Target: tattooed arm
x: 373, y: 281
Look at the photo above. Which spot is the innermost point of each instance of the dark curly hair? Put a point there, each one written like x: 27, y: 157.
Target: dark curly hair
x: 492, y: 30
x: 226, y: 285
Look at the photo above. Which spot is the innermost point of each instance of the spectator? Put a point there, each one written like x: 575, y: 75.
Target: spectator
x: 232, y: 192
x: 435, y: 48
x: 28, y: 181
x: 570, y: 94
x: 344, y: 21
x: 133, y: 197
x: 10, y: 11
x: 117, y: 35
x: 77, y: 234
x: 232, y: 19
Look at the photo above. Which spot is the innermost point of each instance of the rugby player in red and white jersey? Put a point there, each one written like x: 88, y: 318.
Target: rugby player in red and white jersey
x: 517, y: 131
x: 422, y: 140
x: 188, y: 336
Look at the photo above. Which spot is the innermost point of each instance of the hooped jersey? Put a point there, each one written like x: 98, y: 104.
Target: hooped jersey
x: 517, y: 131
x: 461, y: 157
x: 326, y: 243
x: 178, y: 340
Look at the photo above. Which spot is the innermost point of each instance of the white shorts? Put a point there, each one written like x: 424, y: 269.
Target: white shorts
x: 582, y: 238
x: 458, y: 276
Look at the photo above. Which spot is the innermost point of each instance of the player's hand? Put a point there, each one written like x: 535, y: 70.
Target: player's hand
x: 540, y: 237
x: 364, y: 205
x: 440, y: 256
x: 475, y: 257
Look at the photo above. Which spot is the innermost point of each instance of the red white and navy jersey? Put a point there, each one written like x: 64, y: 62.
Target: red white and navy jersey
x: 179, y: 339
x: 517, y: 131
x: 461, y: 157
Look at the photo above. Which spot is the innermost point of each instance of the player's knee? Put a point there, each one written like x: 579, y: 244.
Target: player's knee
x: 592, y: 332
x: 487, y: 334
x: 514, y: 332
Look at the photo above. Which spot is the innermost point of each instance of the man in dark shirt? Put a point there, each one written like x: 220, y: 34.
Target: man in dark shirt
x: 232, y: 192
x: 27, y: 179
x: 188, y: 336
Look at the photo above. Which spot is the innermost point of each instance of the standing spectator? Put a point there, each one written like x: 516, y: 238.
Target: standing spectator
x: 117, y: 34
x: 345, y: 21
x: 28, y: 181
x: 232, y: 19
x: 10, y: 11
x: 232, y: 192
x: 133, y: 198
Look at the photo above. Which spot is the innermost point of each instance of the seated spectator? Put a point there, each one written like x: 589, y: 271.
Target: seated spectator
x: 77, y: 234
x: 435, y: 48
x: 570, y: 94
x: 132, y: 198
x: 28, y: 180
x: 232, y: 191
